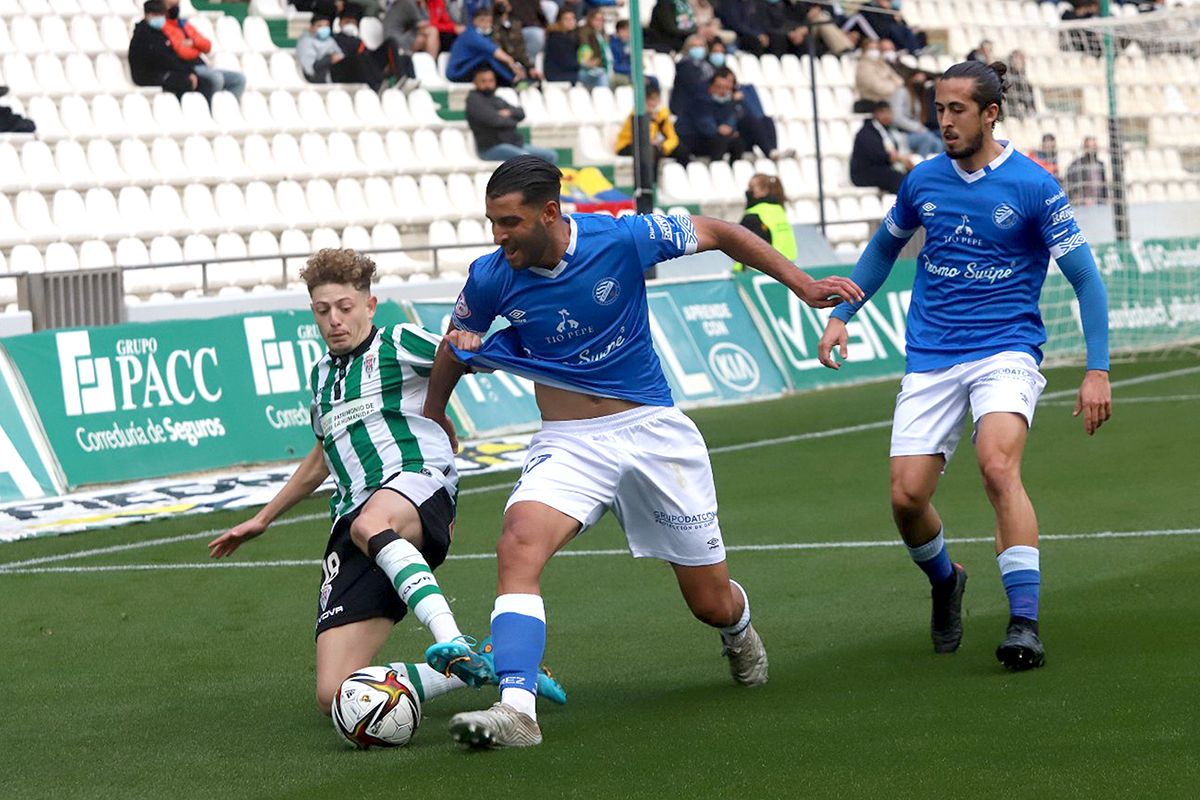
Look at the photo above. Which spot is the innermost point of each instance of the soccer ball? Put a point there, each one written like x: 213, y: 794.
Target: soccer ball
x: 375, y: 707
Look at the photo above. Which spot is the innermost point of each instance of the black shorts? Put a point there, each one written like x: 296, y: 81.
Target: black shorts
x: 353, y: 587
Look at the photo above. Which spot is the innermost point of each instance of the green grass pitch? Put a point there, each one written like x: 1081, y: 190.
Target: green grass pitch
x: 198, y: 683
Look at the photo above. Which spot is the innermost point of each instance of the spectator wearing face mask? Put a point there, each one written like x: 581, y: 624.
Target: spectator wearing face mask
x: 474, y: 48
x: 754, y: 127
x: 361, y: 63
x: 671, y: 22
x: 663, y: 138
x: 874, y: 78
x: 766, y: 216
x: 191, y: 46
x: 709, y: 129
x: 493, y: 123
x: 152, y: 59
x: 693, y: 71
x: 560, y: 61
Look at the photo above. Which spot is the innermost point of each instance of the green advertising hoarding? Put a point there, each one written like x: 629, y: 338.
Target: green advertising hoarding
x: 875, y: 334
x: 136, y: 401
x: 708, y: 344
x: 27, y: 467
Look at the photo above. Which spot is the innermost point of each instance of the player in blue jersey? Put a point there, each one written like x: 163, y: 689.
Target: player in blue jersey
x: 573, y: 291
x: 992, y: 219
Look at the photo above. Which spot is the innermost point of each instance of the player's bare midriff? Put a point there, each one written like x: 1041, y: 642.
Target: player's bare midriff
x: 558, y: 405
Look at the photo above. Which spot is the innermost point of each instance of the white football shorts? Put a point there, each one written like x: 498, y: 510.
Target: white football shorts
x: 649, y: 465
x: 931, y: 405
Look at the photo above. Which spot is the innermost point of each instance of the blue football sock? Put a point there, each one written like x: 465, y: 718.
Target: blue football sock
x: 934, y: 559
x: 1020, y: 571
x: 519, y: 639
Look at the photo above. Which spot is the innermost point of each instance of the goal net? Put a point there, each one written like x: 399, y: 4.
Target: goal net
x: 1115, y: 106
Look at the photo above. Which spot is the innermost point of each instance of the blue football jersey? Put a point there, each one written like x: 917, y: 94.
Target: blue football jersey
x: 583, y: 325
x: 989, y: 236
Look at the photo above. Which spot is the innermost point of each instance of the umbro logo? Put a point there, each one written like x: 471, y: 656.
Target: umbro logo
x: 928, y: 209
x: 713, y: 543
x: 517, y: 316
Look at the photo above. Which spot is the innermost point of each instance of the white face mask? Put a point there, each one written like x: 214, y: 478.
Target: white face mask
x: 871, y: 54
x: 889, y: 56
x: 350, y: 30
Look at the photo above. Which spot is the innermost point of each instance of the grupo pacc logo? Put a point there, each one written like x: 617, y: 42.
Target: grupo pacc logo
x: 274, y: 362
x: 137, y: 376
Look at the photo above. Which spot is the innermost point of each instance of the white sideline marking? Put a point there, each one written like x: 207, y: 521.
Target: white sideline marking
x: 730, y: 448
x: 744, y: 548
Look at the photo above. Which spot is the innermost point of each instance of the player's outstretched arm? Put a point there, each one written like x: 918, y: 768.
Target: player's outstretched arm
x: 1094, y: 401
x: 311, y: 473
x: 870, y: 272
x: 445, y: 375
x: 742, y: 245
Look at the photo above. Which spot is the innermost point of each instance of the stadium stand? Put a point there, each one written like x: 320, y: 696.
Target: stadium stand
x: 127, y: 176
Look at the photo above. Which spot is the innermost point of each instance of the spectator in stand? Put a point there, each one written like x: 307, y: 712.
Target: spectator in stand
x: 474, y: 48
x: 191, y: 46
x: 874, y: 78
x: 425, y: 26
x: 152, y: 59
x: 510, y: 36
x: 1047, y: 154
x: 560, y: 61
x: 766, y: 216
x: 372, y: 67
x: 1019, y: 100
x: 984, y: 53
x: 1086, y: 181
x: 709, y: 129
x: 533, y: 25
x: 1080, y: 40
x: 493, y: 123
x: 877, y: 158
x: 827, y: 27
x: 879, y: 20
x: 663, y: 137
x: 909, y: 111
x: 671, y: 22
x: 11, y: 121
x: 316, y: 51
x: 763, y: 26
x: 692, y: 74
x: 595, y: 59
x: 754, y: 127
x: 708, y: 24
x: 618, y: 44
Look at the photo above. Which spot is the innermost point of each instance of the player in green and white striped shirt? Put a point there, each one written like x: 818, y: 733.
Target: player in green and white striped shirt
x: 395, y: 487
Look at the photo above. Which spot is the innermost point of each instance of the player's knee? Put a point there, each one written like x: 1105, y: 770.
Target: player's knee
x: 1001, y: 475
x: 909, y: 499
x: 363, y: 529
x: 517, y: 545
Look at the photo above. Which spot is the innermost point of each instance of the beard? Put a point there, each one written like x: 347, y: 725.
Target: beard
x: 961, y: 148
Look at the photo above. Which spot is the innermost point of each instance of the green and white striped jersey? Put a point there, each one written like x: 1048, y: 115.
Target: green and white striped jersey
x: 367, y: 410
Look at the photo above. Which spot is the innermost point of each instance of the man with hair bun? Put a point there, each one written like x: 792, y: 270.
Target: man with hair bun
x: 395, y: 486
x: 993, y: 219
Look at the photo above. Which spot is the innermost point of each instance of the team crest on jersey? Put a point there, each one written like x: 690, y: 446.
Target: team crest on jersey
x: 368, y: 364
x: 461, y: 309
x: 606, y: 291
x: 928, y: 209
x: 1004, y: 215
